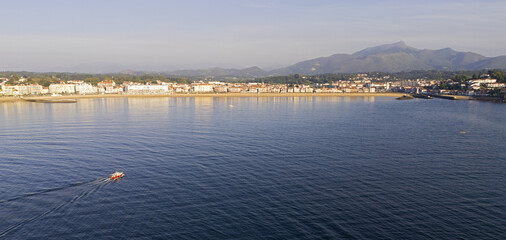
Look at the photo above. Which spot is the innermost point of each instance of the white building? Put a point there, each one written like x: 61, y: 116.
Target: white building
x: 85, y: 88
x: 216, y: 83
x: 62, y: 88
x: 202, y: 87
x: 476, y: 83
x: 34, y: 89
x: 496, y: 85
x: 19, y: 90
x: 10, y: 90
x: 147, y: 89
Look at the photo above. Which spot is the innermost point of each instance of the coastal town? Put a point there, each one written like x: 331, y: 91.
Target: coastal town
x: 484, y: 85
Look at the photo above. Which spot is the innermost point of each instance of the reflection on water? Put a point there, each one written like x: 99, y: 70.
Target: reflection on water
x: 17, y: 110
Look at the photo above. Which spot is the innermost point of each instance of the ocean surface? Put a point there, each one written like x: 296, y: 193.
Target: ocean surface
x: 253, y: 168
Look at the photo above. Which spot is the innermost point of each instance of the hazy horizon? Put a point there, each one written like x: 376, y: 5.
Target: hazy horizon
x: 169, y: 35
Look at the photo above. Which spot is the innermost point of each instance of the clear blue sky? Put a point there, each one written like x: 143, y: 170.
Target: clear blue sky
x: 156, y: 34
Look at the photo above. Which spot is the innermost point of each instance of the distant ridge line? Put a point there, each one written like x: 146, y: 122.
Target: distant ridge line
x: 394, y: 57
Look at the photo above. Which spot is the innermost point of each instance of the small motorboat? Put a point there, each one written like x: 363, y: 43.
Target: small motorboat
x: 116, y: 175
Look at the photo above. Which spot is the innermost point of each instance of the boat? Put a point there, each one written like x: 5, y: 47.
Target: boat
x: 116, y: 175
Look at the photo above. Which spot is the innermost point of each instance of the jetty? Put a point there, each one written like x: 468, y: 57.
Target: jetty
x: 425, y: 96
x: 443, y: 96
x: 51, y: 100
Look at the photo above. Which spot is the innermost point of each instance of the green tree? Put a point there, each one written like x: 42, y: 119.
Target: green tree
x: 497, y: 74
x: 461, y: 78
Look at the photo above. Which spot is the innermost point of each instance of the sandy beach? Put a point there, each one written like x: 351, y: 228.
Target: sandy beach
x: 15, y: 99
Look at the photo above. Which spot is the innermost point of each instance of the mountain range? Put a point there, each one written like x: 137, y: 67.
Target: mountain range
x: 395, y: 57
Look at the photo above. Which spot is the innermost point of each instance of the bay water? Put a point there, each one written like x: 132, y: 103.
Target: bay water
x: 253, y: 168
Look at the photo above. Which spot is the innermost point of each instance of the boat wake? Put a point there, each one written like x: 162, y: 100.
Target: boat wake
x: 87, y: 189
x: 53, y: 189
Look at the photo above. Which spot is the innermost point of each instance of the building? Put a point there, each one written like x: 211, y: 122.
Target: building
x: 221, y: 89
x: 476, y: 83
x: 147, y: 89
x: 496, y: 85
x: 106, y: 83
x: 85, y: 88
x: 34, y: 89
x: 202, y: 87
x: 62, y: 88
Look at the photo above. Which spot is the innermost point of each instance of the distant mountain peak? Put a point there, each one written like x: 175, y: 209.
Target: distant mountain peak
x: 447, y: 49
x: 392, y: 47
x: 400, y: 44
x: 253, y: 68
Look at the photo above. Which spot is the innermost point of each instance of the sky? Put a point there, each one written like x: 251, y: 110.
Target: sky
x: 159, y: 35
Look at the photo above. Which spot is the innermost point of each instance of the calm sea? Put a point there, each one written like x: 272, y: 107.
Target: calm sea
x: 253, y: 168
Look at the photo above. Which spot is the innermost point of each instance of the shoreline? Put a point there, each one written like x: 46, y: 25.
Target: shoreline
x: 18, y: 99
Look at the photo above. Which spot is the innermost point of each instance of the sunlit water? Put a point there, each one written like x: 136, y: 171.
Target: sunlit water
x: 253, y: 168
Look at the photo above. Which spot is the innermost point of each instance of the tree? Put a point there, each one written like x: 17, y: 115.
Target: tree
x: 45, y: 82
x: 461, y: 78
x: 497, y: 74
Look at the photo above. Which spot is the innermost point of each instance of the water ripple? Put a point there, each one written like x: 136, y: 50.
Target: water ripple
x: 269, y: 168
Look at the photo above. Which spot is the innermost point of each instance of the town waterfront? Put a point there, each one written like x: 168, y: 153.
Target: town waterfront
x: 359, y: 167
